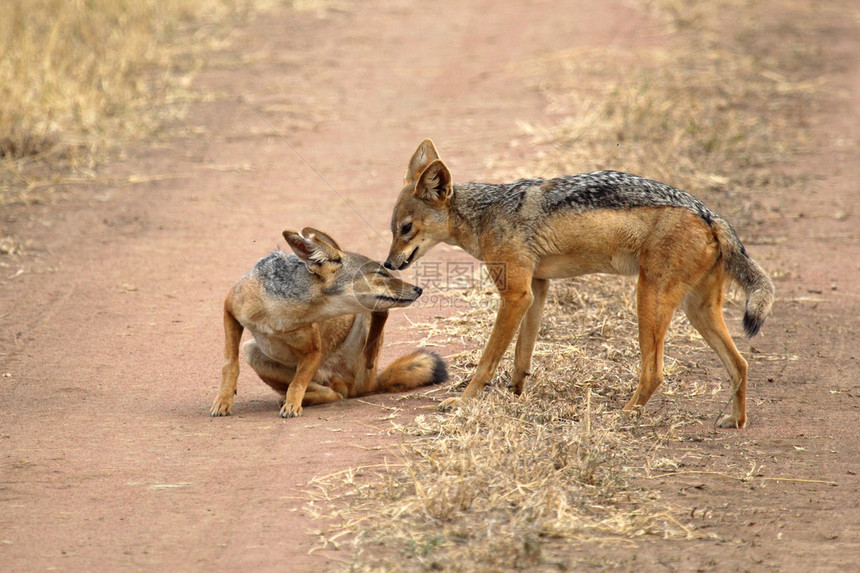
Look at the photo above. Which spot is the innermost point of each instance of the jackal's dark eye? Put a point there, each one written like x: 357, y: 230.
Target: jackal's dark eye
x: 405, y: 228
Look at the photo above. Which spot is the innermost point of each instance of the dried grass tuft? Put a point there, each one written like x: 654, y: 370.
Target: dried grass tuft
x: 711, y: 111
x: 76, y: 78
x: 496, y: 483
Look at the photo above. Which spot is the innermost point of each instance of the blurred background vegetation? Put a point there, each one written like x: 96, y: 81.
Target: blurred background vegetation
x: 80, y: 76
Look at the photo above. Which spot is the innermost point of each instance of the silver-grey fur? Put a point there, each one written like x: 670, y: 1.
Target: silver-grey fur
x: 612, y: 190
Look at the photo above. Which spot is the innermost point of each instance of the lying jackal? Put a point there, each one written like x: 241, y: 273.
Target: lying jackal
x: 317, y: 318
x: 602, y: 222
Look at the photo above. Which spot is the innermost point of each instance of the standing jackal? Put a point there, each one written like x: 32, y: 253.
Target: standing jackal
x: 602, y: 222
x: 317, y: 319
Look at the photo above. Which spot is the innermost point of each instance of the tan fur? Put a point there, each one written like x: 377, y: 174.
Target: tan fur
x: 680, y: 260
x: 307, y: 351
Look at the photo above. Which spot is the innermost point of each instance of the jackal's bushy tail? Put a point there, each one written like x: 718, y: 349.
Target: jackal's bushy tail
x: 419, y: 368
x: 748, y: 274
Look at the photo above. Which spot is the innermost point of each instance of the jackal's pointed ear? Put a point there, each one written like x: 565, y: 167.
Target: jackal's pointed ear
x: 314, y: 248
x: 423, y: 156
x: 308, y: 231
x: 434, y: 184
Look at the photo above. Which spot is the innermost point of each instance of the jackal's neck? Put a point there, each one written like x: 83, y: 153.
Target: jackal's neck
x: 468, y: 204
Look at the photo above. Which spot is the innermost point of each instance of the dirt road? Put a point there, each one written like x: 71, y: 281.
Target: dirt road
x: 110, y: 334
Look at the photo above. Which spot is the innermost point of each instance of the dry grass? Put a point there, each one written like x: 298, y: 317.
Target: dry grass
x: 77, y: 78
x: 495, y: 485
x: 710, y: 112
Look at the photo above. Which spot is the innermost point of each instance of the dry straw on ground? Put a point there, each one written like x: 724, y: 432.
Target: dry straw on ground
x: 78, y: 78
x: 708, y: 112
x: 488, y: 485
x: 505, y: 481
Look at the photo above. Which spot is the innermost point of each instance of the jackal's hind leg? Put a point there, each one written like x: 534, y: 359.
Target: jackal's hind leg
x: 279, y: 377
x: 703, y: 307
x: 317, y: 394
x: 655, y: 307
x: 270, y: 371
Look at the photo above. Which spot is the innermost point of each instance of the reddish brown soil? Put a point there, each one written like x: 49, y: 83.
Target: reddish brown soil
x: 110, y: 333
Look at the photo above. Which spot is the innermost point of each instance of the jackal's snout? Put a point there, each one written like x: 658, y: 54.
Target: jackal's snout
x: 397, y: 261
x: 377, y: 288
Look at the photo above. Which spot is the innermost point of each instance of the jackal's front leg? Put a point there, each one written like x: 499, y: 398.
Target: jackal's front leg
x: 223, y: 404
x: 528, y: 335
x: 310, y: 357
x: 515, y: 301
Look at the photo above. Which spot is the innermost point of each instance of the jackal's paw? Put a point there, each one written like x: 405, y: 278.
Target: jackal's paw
x: 636, y: 405
x: 291, y: 410
x: 221, y: 407
x: 632, y: 408
x: 729, y: 421
x: 449, y: 404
